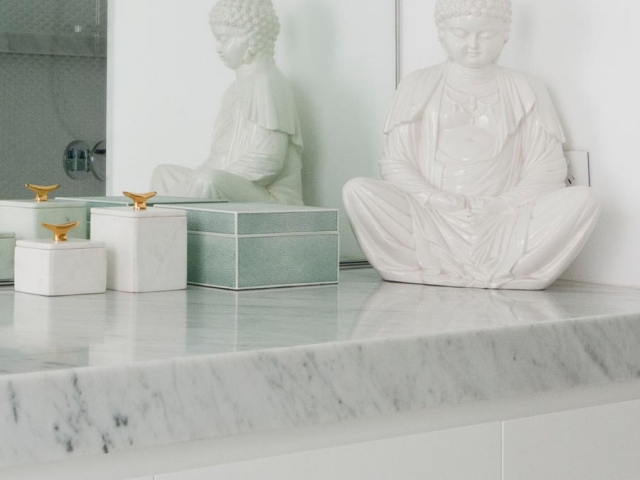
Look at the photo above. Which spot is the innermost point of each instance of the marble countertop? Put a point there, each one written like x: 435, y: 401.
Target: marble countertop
x: 93, y: 374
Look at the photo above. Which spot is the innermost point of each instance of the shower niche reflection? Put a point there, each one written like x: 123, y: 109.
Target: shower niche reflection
x: 53, y: 88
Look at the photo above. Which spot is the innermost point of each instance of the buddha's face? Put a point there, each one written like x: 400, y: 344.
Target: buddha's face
x: 232, y: 45
x: 473, y: 42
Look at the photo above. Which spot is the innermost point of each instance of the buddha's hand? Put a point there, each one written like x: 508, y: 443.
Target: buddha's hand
x: 449, y: 202
x: 487, y: 206
x: 205, y: 167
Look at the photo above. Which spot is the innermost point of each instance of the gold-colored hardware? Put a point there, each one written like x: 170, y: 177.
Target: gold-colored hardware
x: 42, y: 193
x: 140, y: 199
x: 60, y: 231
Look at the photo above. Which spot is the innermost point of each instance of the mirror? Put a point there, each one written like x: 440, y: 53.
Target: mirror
x: 53, y: 91
x: 166, y: 83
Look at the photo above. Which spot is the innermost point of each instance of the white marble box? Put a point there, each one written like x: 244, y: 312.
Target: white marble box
x: 25, y: 217
x: 246, y: 246
x: 122, y: 201
x: 75, y: 267
x: 146, y: 249
x: 7, y: 247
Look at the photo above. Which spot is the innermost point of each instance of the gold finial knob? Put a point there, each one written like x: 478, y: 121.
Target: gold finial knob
x: 140, y: 199
x: 42, y: 193
x: 60, y: 231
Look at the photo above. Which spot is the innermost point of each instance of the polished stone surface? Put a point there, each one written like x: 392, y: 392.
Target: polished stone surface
x: 201, y: 363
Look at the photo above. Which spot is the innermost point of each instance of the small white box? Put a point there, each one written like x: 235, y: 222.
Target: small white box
x: 146, y: 249
x: 7, y: 247
x: 75, y: 267
x: 24, y: 217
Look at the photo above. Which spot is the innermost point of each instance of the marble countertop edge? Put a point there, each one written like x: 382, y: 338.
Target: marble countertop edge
x: 91, y: 410
x: 359, y: 350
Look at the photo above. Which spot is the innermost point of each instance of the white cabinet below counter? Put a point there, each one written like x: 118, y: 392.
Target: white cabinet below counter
x: 469, y: 453
x: 593, y: 443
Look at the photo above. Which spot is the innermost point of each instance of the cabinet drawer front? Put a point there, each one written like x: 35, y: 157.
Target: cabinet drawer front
x: 470, y: 453
x: 588, y: 444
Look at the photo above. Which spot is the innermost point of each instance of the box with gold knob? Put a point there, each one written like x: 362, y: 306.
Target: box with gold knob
x: 60, y: 266
x: 25, y: 217
x: 146, y: 247
x: 124, y: 201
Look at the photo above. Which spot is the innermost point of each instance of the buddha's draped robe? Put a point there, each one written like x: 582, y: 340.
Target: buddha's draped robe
x: 408, y: 238
x: 256, y: 150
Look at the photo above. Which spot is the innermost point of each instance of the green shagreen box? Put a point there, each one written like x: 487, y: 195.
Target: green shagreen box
x: 7, y: 248
x: 106, y: 202
x: 242, y: 246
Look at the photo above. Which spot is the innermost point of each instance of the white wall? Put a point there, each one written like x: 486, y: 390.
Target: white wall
x: 341, y: 65
x: 166, y: 83
x: 586, y: 51
x: 164, y: 88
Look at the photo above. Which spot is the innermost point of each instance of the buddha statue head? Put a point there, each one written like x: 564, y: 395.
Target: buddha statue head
x: 473, y: 32
x: 245, y: 30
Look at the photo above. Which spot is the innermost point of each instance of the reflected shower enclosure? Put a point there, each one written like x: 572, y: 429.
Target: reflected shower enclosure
x: 53, y: 88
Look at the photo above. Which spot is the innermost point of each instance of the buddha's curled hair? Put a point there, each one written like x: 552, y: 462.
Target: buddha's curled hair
x: 256, y: 17
x: 446, y: 9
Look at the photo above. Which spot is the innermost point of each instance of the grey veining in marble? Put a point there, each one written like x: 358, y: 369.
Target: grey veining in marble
x: 202, y: 363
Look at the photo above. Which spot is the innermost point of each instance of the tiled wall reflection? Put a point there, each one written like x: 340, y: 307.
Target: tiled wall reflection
x: 51, y: 16
x: 47, y: 101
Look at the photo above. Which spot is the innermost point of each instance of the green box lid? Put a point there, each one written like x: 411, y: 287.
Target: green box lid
x: 125, y: 201
x: 122, y: 201
x: 257, y: 218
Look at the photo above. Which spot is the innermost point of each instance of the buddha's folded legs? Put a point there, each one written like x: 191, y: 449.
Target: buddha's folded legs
x: 174, y: 180
x: 232, y: 187
x: 525, y: 249
x: 214, y: 184
x: 560, y: 224
x: 379, y: 214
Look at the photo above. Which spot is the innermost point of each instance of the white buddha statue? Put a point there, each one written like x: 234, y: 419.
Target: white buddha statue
x: 257, y: 147
x: 473, y: 191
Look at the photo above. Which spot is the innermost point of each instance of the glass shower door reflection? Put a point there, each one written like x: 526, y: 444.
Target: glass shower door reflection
x: 53, y: 86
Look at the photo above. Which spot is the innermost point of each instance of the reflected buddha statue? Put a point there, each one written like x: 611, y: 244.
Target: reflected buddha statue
x: 257, y: 146
x: 473, y: 190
